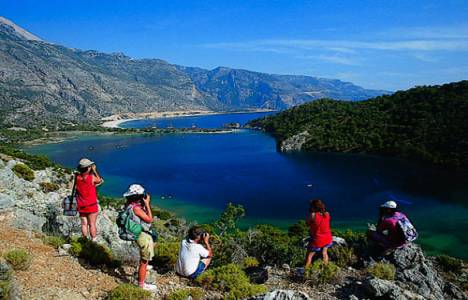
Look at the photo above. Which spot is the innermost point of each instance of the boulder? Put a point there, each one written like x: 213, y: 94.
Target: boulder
x: 384, y: 289
x: 283, y: 295
x: 107, y: 232
x: 417, y: 273
x: 6, y: 201
x: 28, y: 221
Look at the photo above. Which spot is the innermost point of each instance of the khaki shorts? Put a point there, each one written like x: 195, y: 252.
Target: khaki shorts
x: 146, y: 244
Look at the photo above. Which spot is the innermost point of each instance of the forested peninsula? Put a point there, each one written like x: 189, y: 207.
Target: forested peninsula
x: 427, y: 123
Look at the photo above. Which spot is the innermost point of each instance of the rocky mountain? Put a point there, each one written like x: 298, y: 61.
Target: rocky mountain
x: 44, y: 83
x: 246, y: 89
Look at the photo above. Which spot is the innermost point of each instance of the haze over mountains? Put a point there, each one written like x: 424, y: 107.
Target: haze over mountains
x: 43, y: 83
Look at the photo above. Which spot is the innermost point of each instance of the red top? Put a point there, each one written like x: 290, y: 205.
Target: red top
x: 320, y: 232
x: 86, y: 194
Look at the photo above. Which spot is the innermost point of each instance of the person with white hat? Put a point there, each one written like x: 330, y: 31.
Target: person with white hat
x: 389, y: 235
x: 139, y: 201
x: 86, y: 181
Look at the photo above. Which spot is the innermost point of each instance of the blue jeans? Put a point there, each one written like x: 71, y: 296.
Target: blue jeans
x: 200, y: 269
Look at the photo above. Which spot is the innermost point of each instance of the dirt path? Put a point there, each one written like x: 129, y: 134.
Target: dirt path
x: 51, y: 276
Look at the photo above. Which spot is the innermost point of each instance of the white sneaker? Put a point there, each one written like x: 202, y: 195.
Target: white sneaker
x: 150, y: 287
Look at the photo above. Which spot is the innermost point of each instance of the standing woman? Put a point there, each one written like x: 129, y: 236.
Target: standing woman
x: 87, y: 180
x: 320, y: 233
x: 139, y: 203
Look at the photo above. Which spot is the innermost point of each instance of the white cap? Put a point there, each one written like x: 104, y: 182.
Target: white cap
x: 134, y: 189
x: 84, y: 163
x: 389, y: 204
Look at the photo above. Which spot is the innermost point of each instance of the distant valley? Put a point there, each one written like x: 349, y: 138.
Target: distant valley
x: 46, y: 84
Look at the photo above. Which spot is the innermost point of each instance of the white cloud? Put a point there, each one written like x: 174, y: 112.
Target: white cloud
x: 336, y: 59
x: 402, y: 45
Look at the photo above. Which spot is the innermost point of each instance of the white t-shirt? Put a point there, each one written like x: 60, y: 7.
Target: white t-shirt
x: 190, y: 254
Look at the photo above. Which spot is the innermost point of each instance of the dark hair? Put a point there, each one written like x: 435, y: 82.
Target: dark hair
x: 383, y: 211
x: 195, y: 232
x: 82, y: 169
x: 134, y: 198
x: 317, y: 206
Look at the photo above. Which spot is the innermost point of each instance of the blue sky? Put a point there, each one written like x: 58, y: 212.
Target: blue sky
x: 376, y: 44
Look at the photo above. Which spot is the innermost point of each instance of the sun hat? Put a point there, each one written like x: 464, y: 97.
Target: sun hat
x: 84, y: 163
x: 389, y: 204
x: 134, y: 189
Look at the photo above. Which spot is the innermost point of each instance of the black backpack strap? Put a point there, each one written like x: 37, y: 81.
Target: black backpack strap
x: 73, y: 191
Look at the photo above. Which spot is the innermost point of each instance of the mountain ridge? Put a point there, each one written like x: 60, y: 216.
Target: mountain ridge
x: 47, y: 84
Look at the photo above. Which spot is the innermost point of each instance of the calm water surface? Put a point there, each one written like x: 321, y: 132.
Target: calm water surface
x: 195, y: 175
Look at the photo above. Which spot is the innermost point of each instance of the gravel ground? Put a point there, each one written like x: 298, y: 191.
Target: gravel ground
x: 51, y: 276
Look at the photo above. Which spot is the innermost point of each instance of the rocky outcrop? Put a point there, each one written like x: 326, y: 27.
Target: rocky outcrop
x: 415, y: 278
x: 294, y: 143
x: 35, y: 210
x: 283, y: 295
x: 380, y: 288
x: 417, y: 272
x: 9, y: 286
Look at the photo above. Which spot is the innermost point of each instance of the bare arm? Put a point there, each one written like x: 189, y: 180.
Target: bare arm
x: 207, y: 243
x: 97, y: 179
x: 145, y: 214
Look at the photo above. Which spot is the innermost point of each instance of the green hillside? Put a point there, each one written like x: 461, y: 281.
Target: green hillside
x: 428, y: 123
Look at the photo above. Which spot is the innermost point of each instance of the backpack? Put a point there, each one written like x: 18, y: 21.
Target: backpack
x: 129, y: 228
x: 70, y: 203
x: 407, y: 229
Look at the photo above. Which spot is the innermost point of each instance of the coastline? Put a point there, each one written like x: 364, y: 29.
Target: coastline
x: 115, y: 121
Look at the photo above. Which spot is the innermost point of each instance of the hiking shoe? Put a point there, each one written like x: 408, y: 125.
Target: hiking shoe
x: 300, y: 271
x: 149, y: 287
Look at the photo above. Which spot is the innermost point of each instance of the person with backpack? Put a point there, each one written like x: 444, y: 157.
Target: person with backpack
x: 393, y: 230
x: 135, y: 225
x: 193, y: 257
x: 320, y: 233
x: 86, y: 181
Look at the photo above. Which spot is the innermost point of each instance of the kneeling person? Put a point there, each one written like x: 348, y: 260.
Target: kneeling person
x: 193, y: 257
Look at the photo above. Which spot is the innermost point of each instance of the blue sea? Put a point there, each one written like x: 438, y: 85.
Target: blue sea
x: 196, y: 175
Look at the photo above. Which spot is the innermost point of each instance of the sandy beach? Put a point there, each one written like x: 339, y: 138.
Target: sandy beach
x: 114, y: 121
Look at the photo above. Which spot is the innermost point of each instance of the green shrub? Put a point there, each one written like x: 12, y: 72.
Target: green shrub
x: 299, y: 229
x: 5, y: 286
x: 352, y: 237
x: 128, y: 292
x: 342, y: 256
x: 23, y: 171
x: 76, y: 248
x: 382, y: 270
x: 36, y: 162
x: 450, y: 264
x: 5, y: 280
x: 107, y: 201
x: 48, y: 187
x: 182, y: 294
x: 273, y: 246
x: 320, y: 273
x: 19, y: 259
x: 95, y: 254
x: 250, y: 262
x: 161, y: 214
x: 54, y: 241
x: 165, y: 254
x: 231, y: 280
